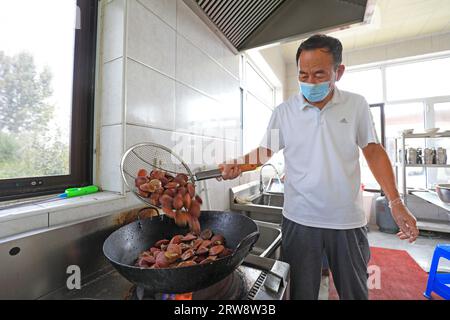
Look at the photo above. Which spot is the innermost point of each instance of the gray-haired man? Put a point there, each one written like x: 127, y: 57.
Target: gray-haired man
x: 321, y: 130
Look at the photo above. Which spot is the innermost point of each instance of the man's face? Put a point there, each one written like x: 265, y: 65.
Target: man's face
x: 316, y: 66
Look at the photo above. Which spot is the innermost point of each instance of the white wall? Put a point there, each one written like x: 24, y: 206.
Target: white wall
x: 396, y: 50
x: 166, y: 76
x: 277, y: 74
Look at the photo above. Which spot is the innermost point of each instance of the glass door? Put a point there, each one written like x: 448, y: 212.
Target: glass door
x: 367, y: 178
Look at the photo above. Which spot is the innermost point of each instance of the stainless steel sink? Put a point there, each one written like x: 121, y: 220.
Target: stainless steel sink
x: 268, y: 244
x: 266, y: 207
x: 271, y: 200
x: 266, y: 210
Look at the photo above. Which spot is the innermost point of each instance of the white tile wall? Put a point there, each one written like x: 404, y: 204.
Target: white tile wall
x: 138, y: 134
x: 111, y: 150
x: 200, y: 114
x: 192, y: 28
x: 150, y: 40
x: 181, y: 86
x: 218, y: 202
x: 198, y: 151
x: 204, y: 76
x: 195, y: 112
x: 150, y: 97
x: 247, y: 177
x: 113, y: 29
x: 164, y: 9
x: 196, y: 69
x: 112, y: 93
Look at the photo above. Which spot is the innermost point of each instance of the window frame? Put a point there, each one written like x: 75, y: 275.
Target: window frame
x: 426, y: 101
x: 383, y: 65
x: 82, y: 122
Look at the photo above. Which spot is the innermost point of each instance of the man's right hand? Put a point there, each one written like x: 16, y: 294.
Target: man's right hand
x: 256, y: 157
x: 230, y: 171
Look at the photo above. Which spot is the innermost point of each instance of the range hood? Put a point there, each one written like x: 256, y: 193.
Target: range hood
x: 247, y: 24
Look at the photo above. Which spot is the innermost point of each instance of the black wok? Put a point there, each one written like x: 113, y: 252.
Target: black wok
x: 124, y: 245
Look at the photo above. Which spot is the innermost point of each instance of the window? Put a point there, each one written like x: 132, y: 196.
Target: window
x: 47, y: 63
x: 367, y: 83
x: 418, y: 80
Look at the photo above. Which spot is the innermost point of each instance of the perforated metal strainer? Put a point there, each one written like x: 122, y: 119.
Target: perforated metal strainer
x: 151, y: 156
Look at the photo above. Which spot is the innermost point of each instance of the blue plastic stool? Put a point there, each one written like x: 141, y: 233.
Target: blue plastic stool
x: 438, y: 282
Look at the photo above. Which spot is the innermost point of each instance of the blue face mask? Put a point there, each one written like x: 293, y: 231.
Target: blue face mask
x: 315, y: 92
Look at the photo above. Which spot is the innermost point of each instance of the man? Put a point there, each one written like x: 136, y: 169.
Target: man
x: 320, y: 131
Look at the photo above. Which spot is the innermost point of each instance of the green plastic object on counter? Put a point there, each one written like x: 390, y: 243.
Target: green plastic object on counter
x: 76, y: 192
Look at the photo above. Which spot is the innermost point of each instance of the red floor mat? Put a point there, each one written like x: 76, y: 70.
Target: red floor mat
x: 401, y: 278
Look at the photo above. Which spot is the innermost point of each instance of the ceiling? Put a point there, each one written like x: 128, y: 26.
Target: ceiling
x: 393, y: 20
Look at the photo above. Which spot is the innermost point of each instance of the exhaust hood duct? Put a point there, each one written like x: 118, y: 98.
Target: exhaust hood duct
x: 247, y: 24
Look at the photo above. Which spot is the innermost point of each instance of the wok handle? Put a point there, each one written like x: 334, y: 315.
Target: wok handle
x: 139, y: 218
x: 216, y: 173
x: 248, y: 240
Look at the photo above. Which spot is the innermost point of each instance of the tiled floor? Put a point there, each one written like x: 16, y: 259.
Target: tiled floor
x: 421, y: 251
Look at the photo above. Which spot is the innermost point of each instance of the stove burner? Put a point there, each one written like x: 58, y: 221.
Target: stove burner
x: 231, y: 288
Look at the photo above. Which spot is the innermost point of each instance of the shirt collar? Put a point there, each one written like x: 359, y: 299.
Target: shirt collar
x: 336, y: 99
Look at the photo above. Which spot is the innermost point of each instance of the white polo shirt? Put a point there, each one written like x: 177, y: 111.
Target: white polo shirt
x: 323, y: 179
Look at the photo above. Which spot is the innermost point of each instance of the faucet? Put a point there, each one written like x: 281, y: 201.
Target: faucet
x: 262, y: 188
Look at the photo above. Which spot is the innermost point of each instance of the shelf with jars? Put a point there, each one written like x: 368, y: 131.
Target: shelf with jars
x: 418, y: 157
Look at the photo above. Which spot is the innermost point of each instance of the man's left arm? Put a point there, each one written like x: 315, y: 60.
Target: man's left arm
x: 380, y: 165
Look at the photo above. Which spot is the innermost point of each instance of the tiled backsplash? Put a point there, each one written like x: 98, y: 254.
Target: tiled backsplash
x: 166, y: 79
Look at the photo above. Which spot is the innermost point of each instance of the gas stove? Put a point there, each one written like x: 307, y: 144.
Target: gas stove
x: 256, y: 278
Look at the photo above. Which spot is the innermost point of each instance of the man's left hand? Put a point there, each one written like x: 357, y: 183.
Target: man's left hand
x: 406, y: 222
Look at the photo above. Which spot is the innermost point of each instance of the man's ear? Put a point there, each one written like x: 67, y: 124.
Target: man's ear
x: 339, y: 72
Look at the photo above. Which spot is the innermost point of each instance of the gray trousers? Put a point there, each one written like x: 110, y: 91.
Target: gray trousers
x: 347, y: 252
